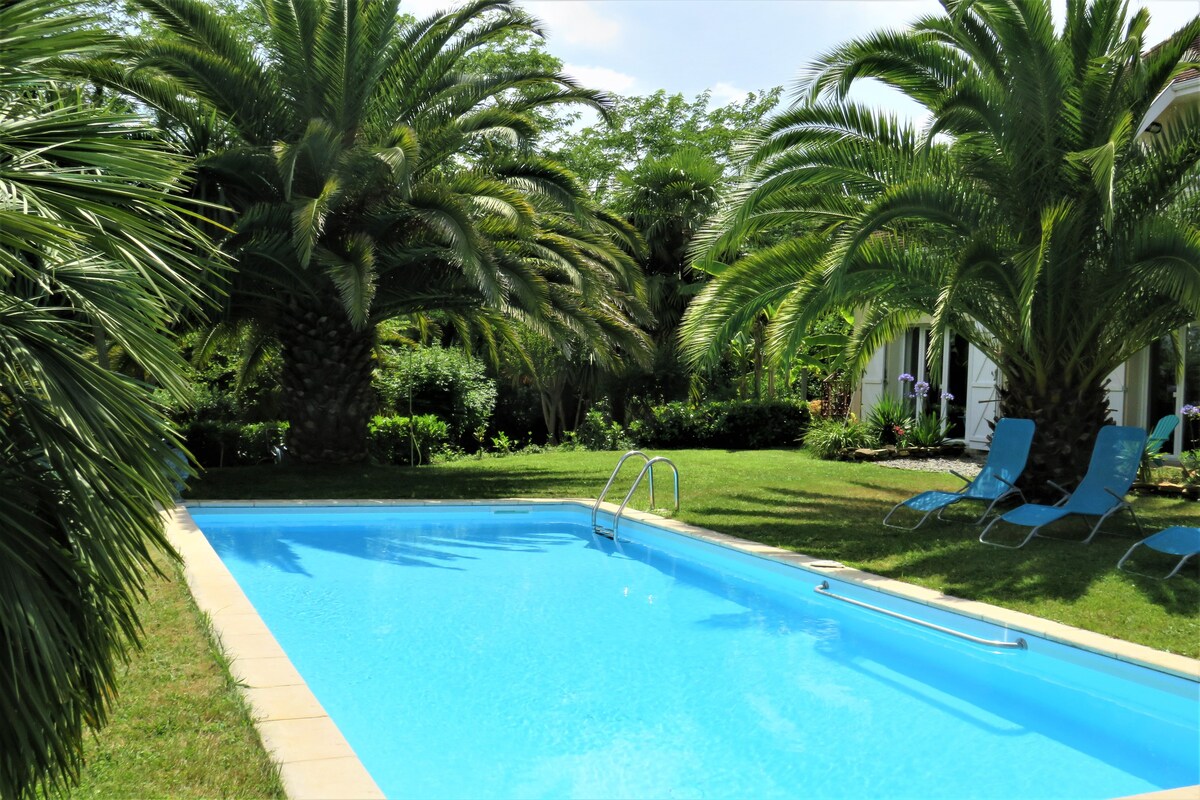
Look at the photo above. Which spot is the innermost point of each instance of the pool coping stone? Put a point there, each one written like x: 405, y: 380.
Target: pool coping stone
x: 314, y: 760
x: 218, y: 595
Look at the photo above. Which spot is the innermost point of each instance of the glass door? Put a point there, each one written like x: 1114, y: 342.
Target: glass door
x: 1174, y: 385
x: 946, y: 398
x: 1188, y: 434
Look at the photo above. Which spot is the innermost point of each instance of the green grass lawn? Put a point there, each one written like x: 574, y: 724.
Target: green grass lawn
x: 825, y: 509
x: 178, y: 728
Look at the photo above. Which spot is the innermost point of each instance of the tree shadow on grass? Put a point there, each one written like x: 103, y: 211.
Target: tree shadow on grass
x: 360, y: 482
x: 946, y: 554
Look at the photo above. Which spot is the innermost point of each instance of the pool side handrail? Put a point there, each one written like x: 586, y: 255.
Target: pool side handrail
x: 1019, y: 644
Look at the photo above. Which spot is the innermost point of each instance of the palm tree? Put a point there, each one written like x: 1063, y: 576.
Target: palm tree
x: 92, y: 249
x: 1030, y: 216
x: 667, y: 200
x: 374, y: 177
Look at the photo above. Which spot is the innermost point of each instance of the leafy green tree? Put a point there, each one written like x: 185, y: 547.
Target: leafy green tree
x: 348, y: 143
x: 92, y: 247
x: 655, y: 127
x: 1032, y: 216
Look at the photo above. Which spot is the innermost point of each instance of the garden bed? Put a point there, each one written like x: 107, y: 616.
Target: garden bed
x: 891, y: 452
x: 1188, y: 491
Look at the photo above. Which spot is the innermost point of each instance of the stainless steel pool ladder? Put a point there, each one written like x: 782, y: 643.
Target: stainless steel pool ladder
x: 647, y: 469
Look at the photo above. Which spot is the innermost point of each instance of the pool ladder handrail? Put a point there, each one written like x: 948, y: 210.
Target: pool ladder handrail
x: 1020, y: 644
x: 613, y: 477
x: 647, y: 469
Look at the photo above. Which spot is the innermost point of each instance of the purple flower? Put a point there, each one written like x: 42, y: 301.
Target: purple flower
x: 947, y: 396
x: 920, y: 389
x: 906, y: 378
x: 1190, y: 411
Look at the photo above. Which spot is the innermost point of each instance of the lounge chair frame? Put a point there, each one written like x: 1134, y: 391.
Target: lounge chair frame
x: 1122, y: 505
x: 1147, y: 541
x: 962, y: 493
x: 1009, y: 454
x: 1114, y: 438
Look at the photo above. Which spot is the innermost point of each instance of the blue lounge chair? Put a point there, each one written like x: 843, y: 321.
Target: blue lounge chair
x: 1152, y: 457
x: 1101, y: 493
x: 1161, y: 433
x: 1177, y: 541
x: 995, y: 482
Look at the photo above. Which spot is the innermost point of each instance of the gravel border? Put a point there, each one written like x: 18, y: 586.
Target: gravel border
x: 965, y: 465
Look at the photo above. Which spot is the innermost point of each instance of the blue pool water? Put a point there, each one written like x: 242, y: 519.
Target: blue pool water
x: 503, y: 652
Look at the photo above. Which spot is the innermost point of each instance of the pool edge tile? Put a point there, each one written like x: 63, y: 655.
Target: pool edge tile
x: 1180, y: 793
x: 328, y: 779
x: 314, y: 759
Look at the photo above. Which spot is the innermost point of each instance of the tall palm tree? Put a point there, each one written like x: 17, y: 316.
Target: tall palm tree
x: 374, y: 176
x: 1031, y: 215
x: 92, y: 247
x: 667, y: 200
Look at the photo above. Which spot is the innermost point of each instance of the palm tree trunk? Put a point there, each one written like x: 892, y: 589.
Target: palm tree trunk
x: 1068, y: 419
x: 326, y: 379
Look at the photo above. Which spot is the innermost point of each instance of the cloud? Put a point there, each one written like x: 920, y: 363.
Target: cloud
x: 610, y: 80
x: 722, y: 93
x: 579, y: 23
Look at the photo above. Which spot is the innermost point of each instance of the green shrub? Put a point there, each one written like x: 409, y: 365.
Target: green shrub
x: 754, y: 426
x: 1189, y: 463
x: 406, y: 440
x: 734, y: 425
x: 257, y: 442
x: 445, y: 382
x: 678, y: 425
x: 828, y: 437
x: 212, y: 443
x: 929, y: 430
x: 598, y: 432
x: 215, y: 443
x: 889, y: 420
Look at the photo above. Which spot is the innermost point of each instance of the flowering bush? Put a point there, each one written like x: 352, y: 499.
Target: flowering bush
x: 1190, y: 411
x: 888, y: 419
x: 920, y: 389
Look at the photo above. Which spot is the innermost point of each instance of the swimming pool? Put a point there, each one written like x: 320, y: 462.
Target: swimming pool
x: 504, y: 651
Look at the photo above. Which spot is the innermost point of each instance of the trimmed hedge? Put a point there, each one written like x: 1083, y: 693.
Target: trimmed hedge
x: 733, y: 425
x: 404, y: 440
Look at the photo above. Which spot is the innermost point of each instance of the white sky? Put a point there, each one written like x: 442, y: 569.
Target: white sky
x: 731, y: 46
